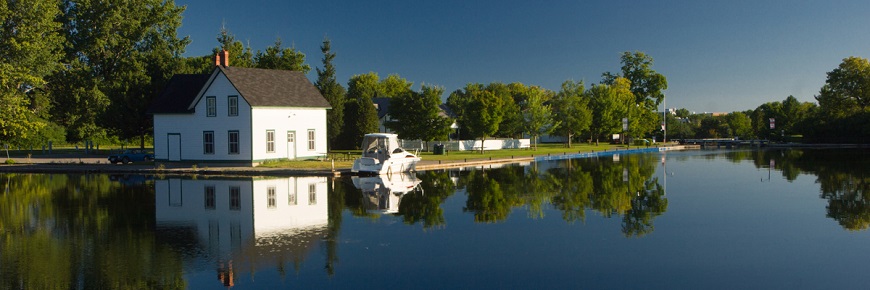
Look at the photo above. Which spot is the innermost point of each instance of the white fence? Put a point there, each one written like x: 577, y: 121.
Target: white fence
x: 465, y: 145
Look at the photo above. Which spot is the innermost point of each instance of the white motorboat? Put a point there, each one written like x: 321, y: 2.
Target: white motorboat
x: 384, y: 193
x: 381, y: 154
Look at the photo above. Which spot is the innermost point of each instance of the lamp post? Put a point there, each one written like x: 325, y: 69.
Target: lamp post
x: 665, y: 120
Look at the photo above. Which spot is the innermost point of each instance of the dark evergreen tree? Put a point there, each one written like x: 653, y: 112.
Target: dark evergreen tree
x: 333, y: 92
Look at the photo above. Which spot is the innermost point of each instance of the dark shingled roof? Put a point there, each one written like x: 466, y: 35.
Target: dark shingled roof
x: 270, y: 87
x: 382, y: 105
x: 178, y: 94
x: 259, y: 87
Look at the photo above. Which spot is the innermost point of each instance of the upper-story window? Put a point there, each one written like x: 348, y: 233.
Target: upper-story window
x: 210, y: 106
x: 233, y: 106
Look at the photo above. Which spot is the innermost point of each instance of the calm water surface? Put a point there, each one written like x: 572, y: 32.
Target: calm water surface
x: 692, y: 219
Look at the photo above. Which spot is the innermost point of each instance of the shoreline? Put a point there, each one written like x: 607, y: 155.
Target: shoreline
x: 68, y: 164
x: 63, y: 164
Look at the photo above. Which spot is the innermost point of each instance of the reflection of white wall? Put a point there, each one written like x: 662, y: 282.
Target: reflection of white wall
x: 222, y: 227
x: 280, y: 214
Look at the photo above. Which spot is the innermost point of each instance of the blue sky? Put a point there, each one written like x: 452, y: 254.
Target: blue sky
x: 718, y: 56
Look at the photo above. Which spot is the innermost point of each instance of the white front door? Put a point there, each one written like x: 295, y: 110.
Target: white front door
x: 291, y: 144
x: 173, y: 147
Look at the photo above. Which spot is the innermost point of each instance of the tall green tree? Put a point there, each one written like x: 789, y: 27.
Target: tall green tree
x: 278, y: 57
x: 30, y: 48
x: 571, y: 110
x: 483, y: 115
x: 119, y: 55
x: 416, y: 115
x: 513, y: 97
x: 333, y: 92
x: 647, y: 86
x: 538, y: 115
x: 458, y: 102
x: 848, y: 85
x: 360, y: 116
x: 394, y: 85
x: 609, y: 105
x: 740, y: 125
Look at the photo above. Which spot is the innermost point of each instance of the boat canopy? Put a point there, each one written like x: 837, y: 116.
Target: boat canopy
x: 380, y: 145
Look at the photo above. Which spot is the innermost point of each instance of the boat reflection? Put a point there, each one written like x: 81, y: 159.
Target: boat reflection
x: 383, y: 193
x: 241, y: 223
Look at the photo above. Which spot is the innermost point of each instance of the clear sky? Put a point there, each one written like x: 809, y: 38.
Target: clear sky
x: 718, y: 56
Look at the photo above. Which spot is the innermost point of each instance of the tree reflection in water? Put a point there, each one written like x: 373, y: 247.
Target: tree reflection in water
x: 625, y: 187
x: 56, y: 230
x: 843, y: 176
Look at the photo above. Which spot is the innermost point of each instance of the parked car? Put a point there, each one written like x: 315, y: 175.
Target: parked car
x: 131, y: 155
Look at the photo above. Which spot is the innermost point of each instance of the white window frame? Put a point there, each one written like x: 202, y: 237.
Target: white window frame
x: 311, y: 137
x: 271, y: 200
x: 233, y: 145
x: 208, y: 142
x: 233, y: 106
x: 270, y: 141
x: 210, y: 106
x: 312, y: 193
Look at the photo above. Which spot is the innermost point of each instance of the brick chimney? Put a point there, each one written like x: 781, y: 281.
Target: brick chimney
x: 222, y: 58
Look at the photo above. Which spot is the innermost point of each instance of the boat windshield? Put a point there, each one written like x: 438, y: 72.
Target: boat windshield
x: 376, y: 146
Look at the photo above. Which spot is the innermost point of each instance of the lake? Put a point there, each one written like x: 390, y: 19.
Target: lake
x: 687, y: 219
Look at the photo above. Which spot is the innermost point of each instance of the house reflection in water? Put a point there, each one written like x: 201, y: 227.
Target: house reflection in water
x: 241, y: 223
x: 383, y: 193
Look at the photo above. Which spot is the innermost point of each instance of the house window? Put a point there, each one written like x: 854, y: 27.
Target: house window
x: 291, y: 137
x: 311, y: 140
x: 208, y: 142
x: 270, y: 141
x: 210, y: 106
x: 270, y: 197
x: 209, y: 197
x: 233, y: 106
x: 235, y: 198
x: 312, y: 193
x: 233, y: 142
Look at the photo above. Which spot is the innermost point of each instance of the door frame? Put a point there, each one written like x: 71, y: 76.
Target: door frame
x: 293, y: 148
x: 169, y: 146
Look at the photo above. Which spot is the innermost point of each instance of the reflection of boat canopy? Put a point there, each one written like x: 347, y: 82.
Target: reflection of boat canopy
x: 381, y: 154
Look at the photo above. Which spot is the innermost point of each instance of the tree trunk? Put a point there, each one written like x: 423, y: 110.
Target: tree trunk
x: 535, y: 142
x: 482, y: 140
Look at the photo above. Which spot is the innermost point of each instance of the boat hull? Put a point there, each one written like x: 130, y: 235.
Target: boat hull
x: 392, y: 165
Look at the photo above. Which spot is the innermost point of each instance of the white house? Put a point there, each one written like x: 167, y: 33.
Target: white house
x: 239, y: 116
